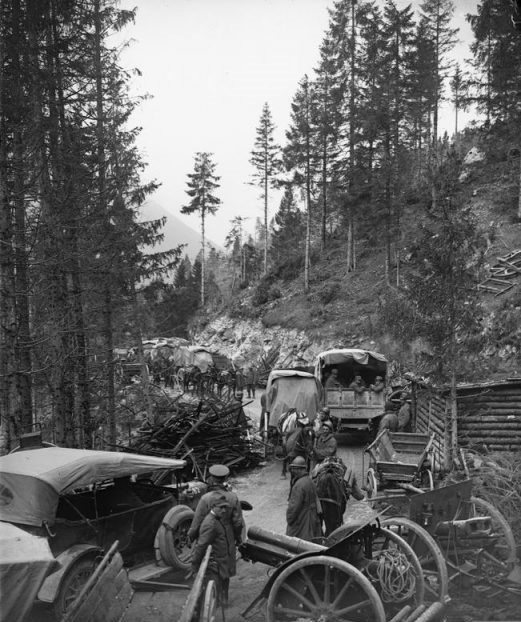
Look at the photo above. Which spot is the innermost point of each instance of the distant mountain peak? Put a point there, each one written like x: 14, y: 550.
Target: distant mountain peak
x: 175, y: 230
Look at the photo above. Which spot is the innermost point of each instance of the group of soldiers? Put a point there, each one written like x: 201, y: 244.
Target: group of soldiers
x: 320, y: 483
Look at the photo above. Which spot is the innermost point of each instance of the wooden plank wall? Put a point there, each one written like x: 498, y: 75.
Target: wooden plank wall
x: 489, y: 417
x: 431, y: 412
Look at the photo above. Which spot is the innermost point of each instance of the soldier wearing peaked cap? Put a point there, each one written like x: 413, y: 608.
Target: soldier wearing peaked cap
x: 231, y: 520
x: 219, y: 470
x: 213, y: 533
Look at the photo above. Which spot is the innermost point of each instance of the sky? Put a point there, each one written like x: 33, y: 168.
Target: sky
x: 209, y: 67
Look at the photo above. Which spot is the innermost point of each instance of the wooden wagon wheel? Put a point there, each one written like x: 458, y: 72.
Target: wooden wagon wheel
x: 323, y: 588
x: 498, y: 556
x: 371, y: 483
x: 209, y: 603
x: 428, y: 552
x: 413, y: 585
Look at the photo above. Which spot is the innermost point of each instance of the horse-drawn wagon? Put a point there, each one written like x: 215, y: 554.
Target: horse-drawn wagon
x: 398, y: 458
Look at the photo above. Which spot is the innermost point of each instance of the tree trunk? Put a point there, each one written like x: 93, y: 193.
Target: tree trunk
x: 138, y: 336
x: 203, y: 262
x: 6, y: 277
x: 265, y: 219
x: 308, y: 243
x: 519, y: 190
x: 108, y: 328
x: 324, y: 194
x: 23, y: 340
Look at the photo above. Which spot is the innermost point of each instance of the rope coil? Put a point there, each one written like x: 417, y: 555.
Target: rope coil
x: 395, y: 574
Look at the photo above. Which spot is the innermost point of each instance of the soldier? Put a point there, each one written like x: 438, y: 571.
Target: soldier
x: 378, y: 385
x: 213, y: 532
x: 358, y: 385
x: 217, y: 486
x: 325, y: 443
x: 302, y: 514
x: 231, y: 519
x: 251, y: 381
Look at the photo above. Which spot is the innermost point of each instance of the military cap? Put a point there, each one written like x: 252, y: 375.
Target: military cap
x: 220, y: 502
x: 327, y: 424
x: 219, y: 470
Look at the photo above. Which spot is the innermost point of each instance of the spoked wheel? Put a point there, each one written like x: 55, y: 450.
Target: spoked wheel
x: 321, y: 589
x: 396, y: 571
x: 209, y: 604
x: 74, y: 581
x: 486, y: 555
x: 428, y: 552
x: 371, y: 484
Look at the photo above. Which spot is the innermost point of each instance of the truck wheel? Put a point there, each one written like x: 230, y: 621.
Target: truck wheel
x: 72, y: 584
x: 171, y: 544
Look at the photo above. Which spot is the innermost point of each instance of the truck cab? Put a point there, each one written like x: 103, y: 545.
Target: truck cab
x: 355, y: 409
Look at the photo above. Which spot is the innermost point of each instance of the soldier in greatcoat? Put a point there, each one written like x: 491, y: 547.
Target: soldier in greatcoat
x: 231, y: 519
x: 212, y: 531
x: 302, y: 514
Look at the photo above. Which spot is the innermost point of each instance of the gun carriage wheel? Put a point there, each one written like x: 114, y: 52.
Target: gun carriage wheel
x: 484, y: 554
x: 395, y: 570
x: 431, y: 558
x: 323, y: 588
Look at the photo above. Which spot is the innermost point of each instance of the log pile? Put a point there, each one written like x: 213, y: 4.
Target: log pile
x: 204, y: 432
x: 491, y: 418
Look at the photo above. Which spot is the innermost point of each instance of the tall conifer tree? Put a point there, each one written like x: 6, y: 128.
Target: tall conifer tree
x: 265, y: 158
x: 202, y: 184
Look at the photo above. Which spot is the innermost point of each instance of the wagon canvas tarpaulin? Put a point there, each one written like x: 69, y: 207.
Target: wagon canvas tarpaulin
x: 292, y: 389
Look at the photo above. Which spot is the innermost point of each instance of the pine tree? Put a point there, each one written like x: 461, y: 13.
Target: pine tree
x: 438, y: 16
x: 202, y: 184
x: 440, y: 293
x: 327, y: 122
x: 300, y: 156
x: 288, y: 232
x: 266, y: 161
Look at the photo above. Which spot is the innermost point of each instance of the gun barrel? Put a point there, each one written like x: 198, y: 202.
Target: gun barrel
x: 288, y: 543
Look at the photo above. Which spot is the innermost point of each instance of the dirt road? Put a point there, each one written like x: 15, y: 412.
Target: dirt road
x: 268, y: 492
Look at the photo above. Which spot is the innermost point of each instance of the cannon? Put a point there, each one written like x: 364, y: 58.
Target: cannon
x: 363, y: 572
x: 460, y: 539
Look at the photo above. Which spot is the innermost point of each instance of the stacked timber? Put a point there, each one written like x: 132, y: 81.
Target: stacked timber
x: 490, y: 415
x: 203, y: 433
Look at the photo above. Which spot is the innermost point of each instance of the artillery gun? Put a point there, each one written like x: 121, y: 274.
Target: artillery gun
x: 362, y: 572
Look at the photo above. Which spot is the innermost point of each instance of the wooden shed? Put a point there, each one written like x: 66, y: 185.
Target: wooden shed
x: 489, y: 416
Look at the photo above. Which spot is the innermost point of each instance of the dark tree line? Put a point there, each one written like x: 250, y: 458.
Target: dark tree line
x: 364, y: 137
x: 71, y: 258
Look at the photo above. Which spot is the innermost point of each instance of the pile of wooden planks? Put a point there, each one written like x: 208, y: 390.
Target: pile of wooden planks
x: 210, y: 431
x: 502, y: 274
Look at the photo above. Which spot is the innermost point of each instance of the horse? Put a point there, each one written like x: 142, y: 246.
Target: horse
x: 296, y: 438
x: 331, y: 491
